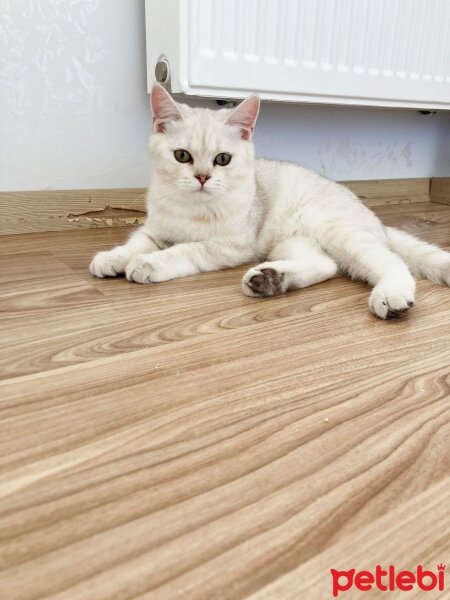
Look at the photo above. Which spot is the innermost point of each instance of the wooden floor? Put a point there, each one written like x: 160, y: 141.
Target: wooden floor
x: 183, y: 441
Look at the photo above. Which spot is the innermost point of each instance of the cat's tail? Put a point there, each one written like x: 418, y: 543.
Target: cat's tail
x: 423, y: 259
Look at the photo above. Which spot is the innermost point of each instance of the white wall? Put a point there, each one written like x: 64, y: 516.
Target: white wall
x: 357, y: 143
x: 74, y: 109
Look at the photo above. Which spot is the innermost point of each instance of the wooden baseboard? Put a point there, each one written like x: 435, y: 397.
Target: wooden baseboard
x: 379, y: 192
x: 28, y: 212
x: 440, y: 190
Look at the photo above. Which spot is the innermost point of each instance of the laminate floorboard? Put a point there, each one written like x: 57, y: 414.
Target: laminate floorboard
x: 181, y: 440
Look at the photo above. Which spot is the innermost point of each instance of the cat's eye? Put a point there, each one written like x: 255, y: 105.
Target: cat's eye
x: 182, y: 156
x: 222, y: 159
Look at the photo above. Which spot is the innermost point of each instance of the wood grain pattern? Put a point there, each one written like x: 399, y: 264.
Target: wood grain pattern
x: 26, y: 212
x: 181, y: 440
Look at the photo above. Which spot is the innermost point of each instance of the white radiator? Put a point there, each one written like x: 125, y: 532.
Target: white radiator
x: 368, y: 52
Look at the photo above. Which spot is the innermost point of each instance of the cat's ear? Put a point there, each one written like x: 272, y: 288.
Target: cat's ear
x: 244, y: 116
x: 164, y: 109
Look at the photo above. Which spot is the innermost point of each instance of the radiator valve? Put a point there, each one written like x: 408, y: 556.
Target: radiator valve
x: 162, y: 71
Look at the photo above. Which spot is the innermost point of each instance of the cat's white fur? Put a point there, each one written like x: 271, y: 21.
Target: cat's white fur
x: 304, y: 227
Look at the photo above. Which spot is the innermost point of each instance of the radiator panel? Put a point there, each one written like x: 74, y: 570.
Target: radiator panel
x: 372, y: 52
x: 384, y: 50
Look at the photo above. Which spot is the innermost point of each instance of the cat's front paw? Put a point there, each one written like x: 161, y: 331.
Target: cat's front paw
x: 110, y: 263
x: 147, y: 268
x: 263, y: 281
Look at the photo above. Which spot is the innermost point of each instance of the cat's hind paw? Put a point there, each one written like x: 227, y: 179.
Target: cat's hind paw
x: 110, y: 263
x: 262, y: 281
x: 390, y: 302
x: 446, y: 275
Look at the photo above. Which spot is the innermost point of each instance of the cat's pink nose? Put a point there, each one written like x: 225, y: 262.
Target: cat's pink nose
x: 203, y: 178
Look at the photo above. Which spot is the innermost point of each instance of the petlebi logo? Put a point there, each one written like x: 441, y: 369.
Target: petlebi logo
x: 388, y: 580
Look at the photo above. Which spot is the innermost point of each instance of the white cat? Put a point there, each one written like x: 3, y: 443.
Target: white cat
x: 211, y: 205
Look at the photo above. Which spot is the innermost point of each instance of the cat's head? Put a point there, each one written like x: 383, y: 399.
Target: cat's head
x: 201, y: 152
